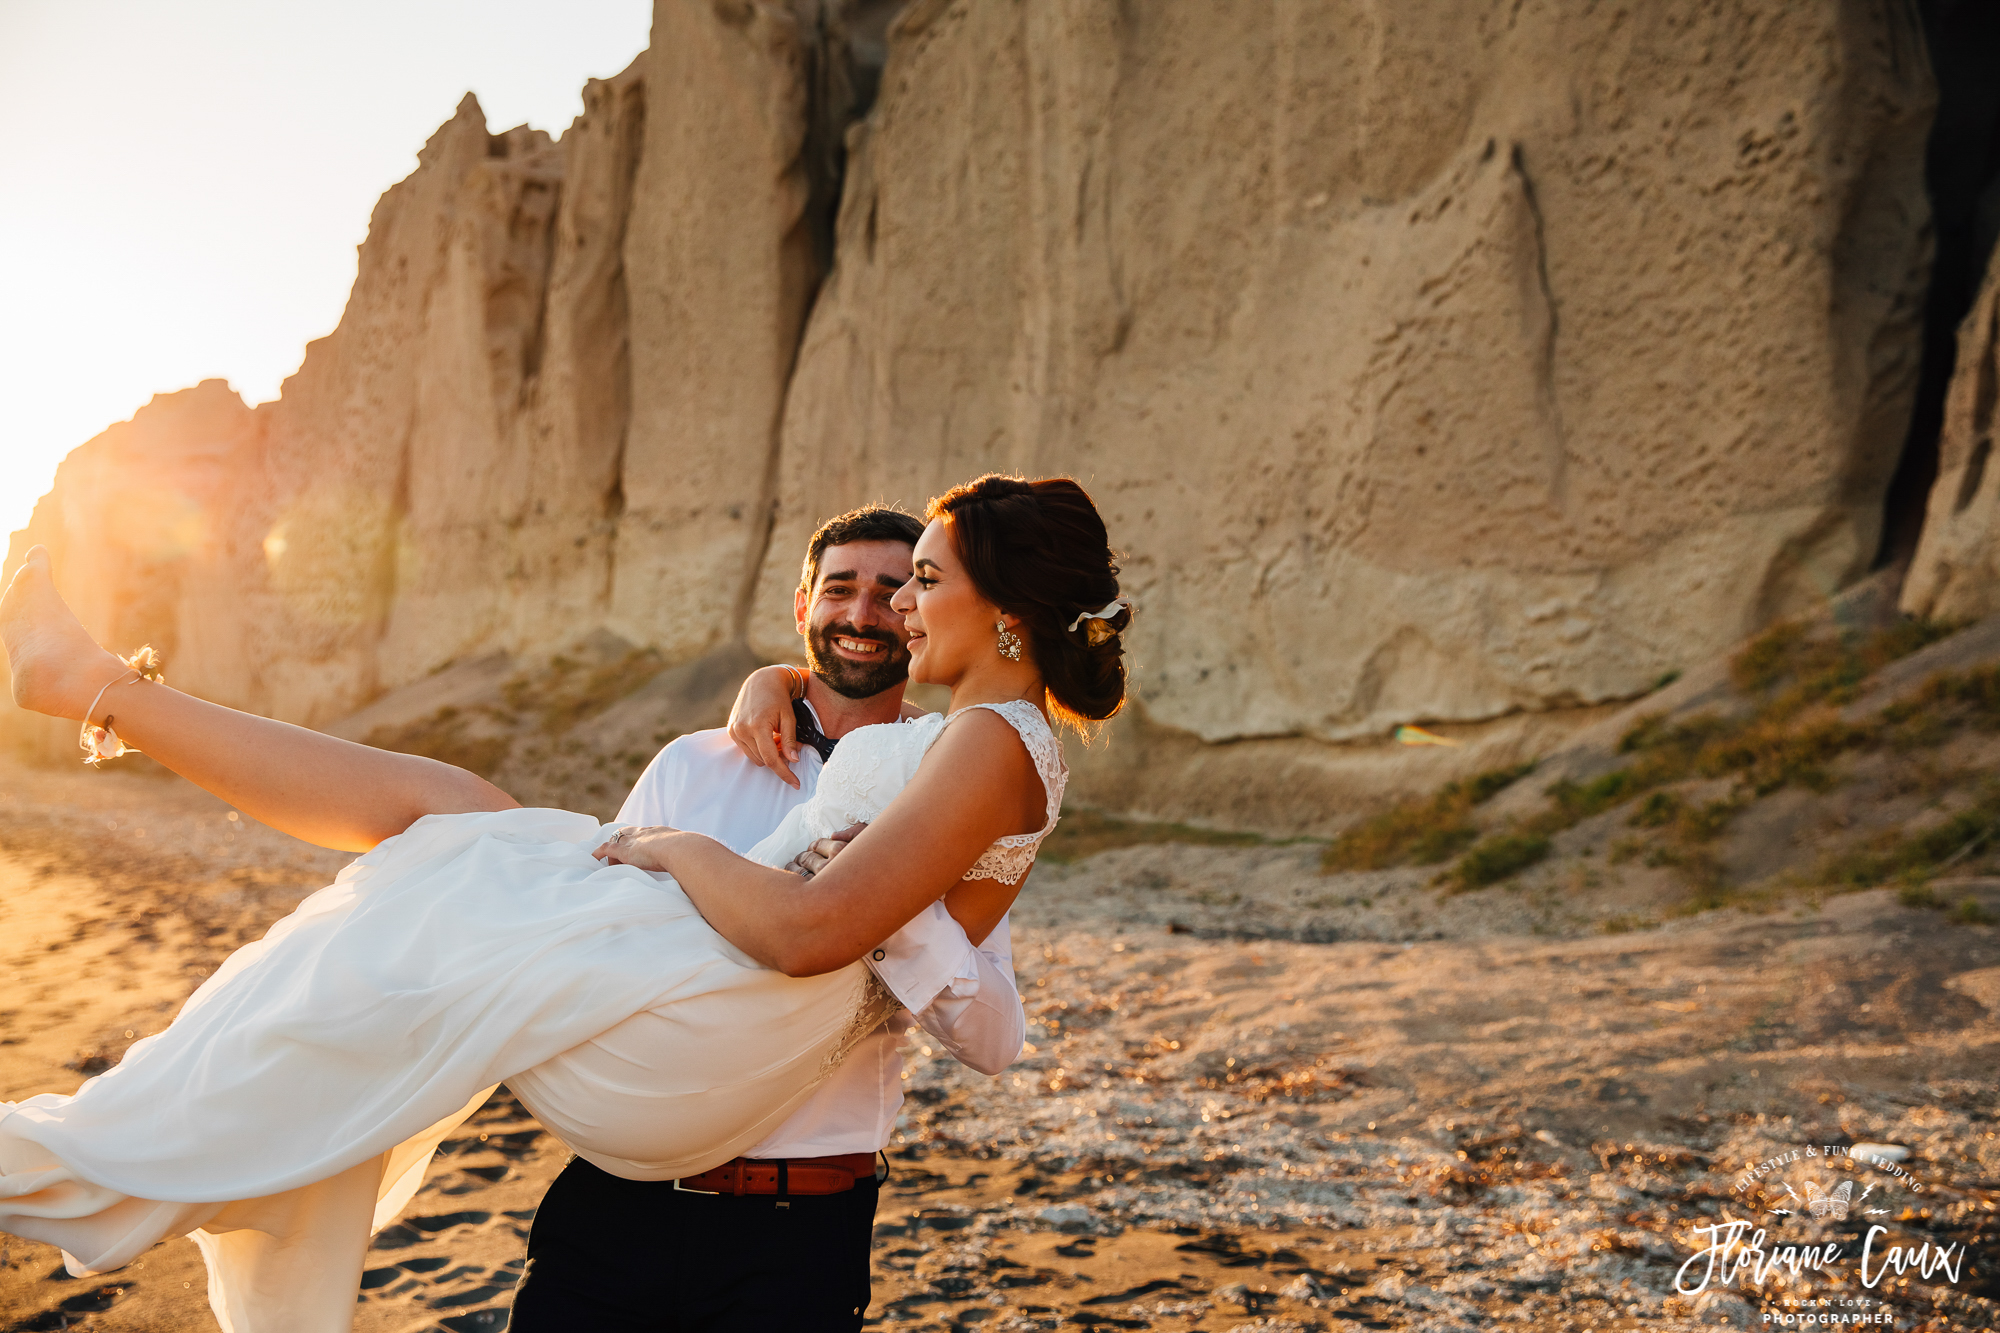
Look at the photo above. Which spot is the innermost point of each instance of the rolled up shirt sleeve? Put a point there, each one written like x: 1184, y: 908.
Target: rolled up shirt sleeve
x: 961, y: 994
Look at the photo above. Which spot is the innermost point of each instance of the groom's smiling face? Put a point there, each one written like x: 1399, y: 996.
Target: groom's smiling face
x: 854, y: 641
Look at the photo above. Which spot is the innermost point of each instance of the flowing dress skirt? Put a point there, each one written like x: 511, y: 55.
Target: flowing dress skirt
x: 295, y: 1101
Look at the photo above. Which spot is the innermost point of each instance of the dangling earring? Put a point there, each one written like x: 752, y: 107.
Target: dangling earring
x: 1010, y: 642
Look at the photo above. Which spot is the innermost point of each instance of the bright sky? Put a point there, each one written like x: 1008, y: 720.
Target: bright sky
x: 182, y: 185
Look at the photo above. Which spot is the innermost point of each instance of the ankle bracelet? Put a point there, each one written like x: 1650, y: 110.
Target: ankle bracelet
x: 101, y: 743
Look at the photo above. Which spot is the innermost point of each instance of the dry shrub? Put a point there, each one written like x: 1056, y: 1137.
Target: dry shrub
x: 1791, y: 736
x: 1913, y: 856
x: 1945, y: 702
x: 1500, y: 857
x: 1424, y: 831
x: 1832, y: 667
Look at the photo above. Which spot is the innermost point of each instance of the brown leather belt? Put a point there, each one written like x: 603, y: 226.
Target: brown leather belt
x: 782, y: 1175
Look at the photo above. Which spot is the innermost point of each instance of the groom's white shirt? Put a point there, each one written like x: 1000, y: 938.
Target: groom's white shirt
x: 962, y: 995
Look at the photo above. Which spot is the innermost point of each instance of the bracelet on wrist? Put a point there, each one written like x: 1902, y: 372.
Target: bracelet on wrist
x: 798, y: 679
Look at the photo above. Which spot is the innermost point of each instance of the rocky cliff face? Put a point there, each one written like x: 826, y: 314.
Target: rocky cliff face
x: 1426, y: 374
x: 1432, y: 363
x: 1956, y: 573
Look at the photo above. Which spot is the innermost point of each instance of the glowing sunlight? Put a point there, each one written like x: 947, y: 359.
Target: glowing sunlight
x: 187, y: 184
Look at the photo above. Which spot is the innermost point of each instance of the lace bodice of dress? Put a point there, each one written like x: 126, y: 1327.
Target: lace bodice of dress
x: 1009, y: 858
x: 874, y: 763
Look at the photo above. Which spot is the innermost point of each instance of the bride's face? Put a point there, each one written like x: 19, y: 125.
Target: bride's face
x: 950, y: 625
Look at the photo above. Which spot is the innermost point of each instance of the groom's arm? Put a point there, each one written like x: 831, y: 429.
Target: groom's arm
x: 962, y: 995
x: 974, y: 1005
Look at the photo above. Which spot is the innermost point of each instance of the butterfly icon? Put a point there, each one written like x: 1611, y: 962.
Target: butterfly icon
x: 1834, y: 1204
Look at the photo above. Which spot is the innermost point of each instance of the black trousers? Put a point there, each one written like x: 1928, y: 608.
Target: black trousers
x: 609, y: 1255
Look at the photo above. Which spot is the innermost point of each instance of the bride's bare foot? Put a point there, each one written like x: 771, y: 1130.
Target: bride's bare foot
x: 57, y: 666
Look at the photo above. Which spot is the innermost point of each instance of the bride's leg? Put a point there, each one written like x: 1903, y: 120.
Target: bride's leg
x: 291, y: 1263
x: 316, y: 787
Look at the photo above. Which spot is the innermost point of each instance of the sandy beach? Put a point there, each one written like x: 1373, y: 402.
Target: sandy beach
x: 1539, y: 582
x: 1232, y: 1115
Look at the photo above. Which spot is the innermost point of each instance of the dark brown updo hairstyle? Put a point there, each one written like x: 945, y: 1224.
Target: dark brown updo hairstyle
x: 1038, y: 551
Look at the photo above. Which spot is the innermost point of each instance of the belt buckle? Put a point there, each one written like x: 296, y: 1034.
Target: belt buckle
x: 686, y: 1190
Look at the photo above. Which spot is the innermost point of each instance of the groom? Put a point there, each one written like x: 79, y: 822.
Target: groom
x: 778, y: 1241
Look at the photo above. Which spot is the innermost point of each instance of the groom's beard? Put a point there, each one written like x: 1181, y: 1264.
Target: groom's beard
x: 856, y: 680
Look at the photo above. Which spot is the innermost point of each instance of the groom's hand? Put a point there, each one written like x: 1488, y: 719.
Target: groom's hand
x: 816, y: 857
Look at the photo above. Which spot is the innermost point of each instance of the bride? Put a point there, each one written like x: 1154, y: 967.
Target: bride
x: 656, y: 1000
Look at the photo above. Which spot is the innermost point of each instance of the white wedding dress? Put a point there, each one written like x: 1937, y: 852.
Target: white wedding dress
x: 293, y: 1105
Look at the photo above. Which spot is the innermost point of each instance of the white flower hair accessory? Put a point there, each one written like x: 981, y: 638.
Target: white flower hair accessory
x: 1100, y: 628
x: 100, y: 743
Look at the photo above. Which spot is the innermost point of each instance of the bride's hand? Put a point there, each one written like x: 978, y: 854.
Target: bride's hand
x: 817, y: 857
x: 635, y: 846
x: 761, y: 723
